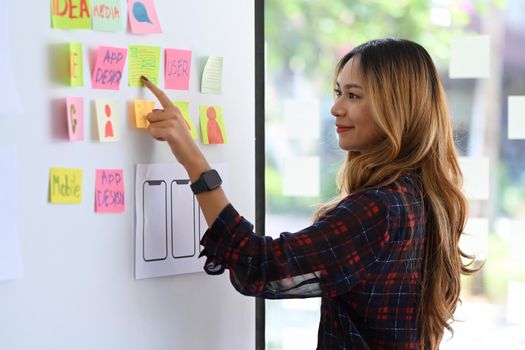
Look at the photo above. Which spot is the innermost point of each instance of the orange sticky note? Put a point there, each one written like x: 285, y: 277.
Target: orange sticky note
x: 142, y: 109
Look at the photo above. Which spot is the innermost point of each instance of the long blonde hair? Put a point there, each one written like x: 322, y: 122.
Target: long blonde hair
x: 409, y: 106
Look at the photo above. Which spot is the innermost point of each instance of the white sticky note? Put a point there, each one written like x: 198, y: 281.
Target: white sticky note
x: 516, y: 242
x: 302, y: 119
x: 516, y: 117
x: 470, y: 57
x: 10, y: 258
x: 301, y: 176
x: 475, y: 177
x: 475, y: 238
x: 211, y: 82
x: 516, y: 302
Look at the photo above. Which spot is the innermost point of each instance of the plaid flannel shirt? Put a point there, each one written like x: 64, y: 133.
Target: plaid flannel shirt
x: 362, y: 258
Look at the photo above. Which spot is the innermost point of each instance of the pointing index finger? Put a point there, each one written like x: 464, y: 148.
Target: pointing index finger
x: 161, y: 96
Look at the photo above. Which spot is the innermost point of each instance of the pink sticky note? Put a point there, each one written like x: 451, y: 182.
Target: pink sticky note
x: 108, y: 69
x: 143, y: 17
x: 109, y: 191
x: 177, y: 69
x: 75, y: 118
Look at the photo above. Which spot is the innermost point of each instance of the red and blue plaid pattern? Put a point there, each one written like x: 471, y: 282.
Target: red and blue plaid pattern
x: 363, y: 258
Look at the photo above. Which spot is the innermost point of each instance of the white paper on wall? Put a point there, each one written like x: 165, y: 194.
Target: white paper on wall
x: 470, y: 57
x: 475, y: 177
x: 169, y: 223
x: 10, y: 259
x: 516, y: 117
x: 475, y: 238
x: 516, y: 302
x: 9, y: 98
x: 301, y: 176
x: 301, y: 118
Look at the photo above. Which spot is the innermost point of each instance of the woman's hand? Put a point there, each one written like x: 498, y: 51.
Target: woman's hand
x: 168, y: 125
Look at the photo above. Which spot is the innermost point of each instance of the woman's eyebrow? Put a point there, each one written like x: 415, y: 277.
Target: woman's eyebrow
x: 349, y: 86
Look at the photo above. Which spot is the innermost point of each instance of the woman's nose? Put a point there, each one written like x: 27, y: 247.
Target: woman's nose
x: 337, y: 110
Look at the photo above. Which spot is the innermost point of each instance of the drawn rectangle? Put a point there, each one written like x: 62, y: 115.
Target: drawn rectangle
x: 182, y: 219
x: 155, y: 220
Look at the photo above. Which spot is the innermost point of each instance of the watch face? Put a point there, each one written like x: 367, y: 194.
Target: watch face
x: 212, y: 179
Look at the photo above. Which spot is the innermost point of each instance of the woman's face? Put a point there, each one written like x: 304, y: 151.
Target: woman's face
x: 355, y: 126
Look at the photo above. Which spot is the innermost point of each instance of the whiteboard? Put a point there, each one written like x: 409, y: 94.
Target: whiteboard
x: 78, y: 289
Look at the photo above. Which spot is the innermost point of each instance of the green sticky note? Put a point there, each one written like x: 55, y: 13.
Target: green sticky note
x: 184, y: 108
x: 107, y: 15
x: 143, y: 60
x: 212, y: 125
x: 71, y: 14
x: 212, y: 76
x: 76, y: 64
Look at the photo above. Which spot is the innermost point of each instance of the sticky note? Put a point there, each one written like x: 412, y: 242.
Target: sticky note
x: 298, y: 112
x: 107, y: 15
x: 475, y: 177
x: 516, y: 117
x: 212, y: 76
x: 76, y: 65
x: 177, y: 69
x: 75, y: 118
x: 516, y: 303
x: 70, y: 14
x: 184, y: 108
x: 109, y: 191
x: 142, y: 109
x: 108, y: 68
x: 469, y: 57
x: 143, y: 60
x: 475, y: 238
x: 212, y: 125
x: 143, y: 17
x: 107, y: 113
x: 301, y: 176
x: 65, y: 186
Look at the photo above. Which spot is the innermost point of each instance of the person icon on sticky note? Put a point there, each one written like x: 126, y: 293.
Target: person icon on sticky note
x: 213, y: 128
x: 109, y: 126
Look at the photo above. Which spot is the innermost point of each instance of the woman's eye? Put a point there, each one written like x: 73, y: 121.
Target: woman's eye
x: 352, y: 96
x: 337, y: 92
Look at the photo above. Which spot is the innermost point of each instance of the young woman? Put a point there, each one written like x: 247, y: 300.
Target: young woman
x: 384, y: 254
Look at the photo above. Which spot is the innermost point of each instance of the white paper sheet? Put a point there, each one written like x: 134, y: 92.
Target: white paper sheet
x: 10, y: 259
x: 475, y: 238
x: 516, y: 117
x: 470, y: 57
x: 475, y: 177
x: 9, y: 98
x: 301, y: 176
x: 302, y: 118
x: 169, y: 223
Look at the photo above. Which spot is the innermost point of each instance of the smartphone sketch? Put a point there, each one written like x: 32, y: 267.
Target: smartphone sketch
x: 202, y: 224
x: 155, y: 220
x: 182, y: 219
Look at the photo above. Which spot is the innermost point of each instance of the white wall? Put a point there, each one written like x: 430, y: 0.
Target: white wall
x: 78, y: 290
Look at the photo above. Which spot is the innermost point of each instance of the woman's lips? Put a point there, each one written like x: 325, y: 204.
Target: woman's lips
x: 341, y: 129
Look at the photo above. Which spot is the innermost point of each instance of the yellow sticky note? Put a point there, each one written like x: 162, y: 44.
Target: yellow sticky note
x: 142, y: 109
x: 143, y: 60
x: 184, y: 108
x: 212, y: 125
x: 65, y: 186
x: 70, y: 14
x: 76, y: 70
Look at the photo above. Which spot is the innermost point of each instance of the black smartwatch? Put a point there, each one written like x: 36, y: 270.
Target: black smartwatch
x: 209, y: 180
